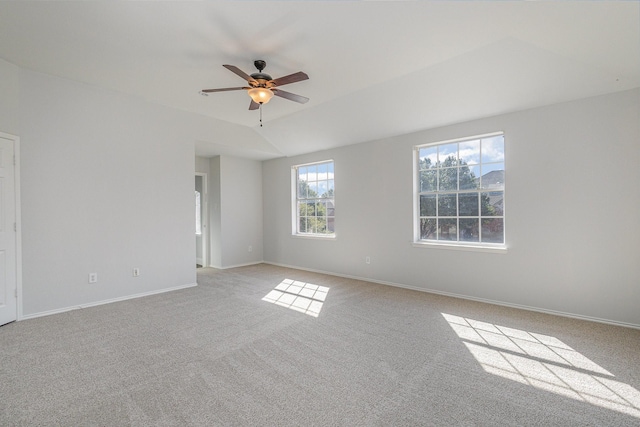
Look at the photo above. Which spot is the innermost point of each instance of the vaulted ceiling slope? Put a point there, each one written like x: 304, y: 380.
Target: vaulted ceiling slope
x: 376, y: 69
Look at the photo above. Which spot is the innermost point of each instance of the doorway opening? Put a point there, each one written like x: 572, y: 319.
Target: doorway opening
x: 201, y: 219
x: 10, y: 242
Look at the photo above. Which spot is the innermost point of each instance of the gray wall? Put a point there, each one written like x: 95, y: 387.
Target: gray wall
x: 10, y: 98
x: 106, y: 186
x: 235, y: 210
x: 215, y: 221
x: 572, y: 206
x: 240, y: 211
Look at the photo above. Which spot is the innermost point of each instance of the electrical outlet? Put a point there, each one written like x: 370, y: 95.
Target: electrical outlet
x: 136, y: 272
x: 367, y: 260
x: 93, y: 277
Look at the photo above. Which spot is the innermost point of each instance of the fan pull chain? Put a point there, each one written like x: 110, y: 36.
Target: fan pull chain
x: 260, y: 114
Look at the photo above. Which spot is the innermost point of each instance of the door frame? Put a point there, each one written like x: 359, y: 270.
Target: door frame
x: 18, y: 220
x: 204, y: 218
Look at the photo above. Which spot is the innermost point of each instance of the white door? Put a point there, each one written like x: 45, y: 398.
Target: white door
x: 8, y: 282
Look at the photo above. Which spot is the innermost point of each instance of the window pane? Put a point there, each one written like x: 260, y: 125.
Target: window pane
x: 331, y: 226
x: 446, y: 204
x: 302, y: 189
x: 331, y: 211
x: 303, y: 209
x: 303, y: 225
x: 302, y: 174
x: 447, y: 229
x: 448, y: 179
x: 430, y: 153
x: 470, y: 152
x: 493, y: 149
x: 310, y: 209
x: 313, y: 189
x: 321, y: 217
x: 469, y: 177
x: 493, y: 176
x: 312, y: 173
x: 322, y: 171
x: 492, y: 203
x: 426, y: 164
x: 469, y: 230
x: 448, y: 153
x: 319, y: 209
x: 428, y: 180
x: 311, y: 225
x: 493, y: 230
x: 468, y: 204
x: 428, y: 205
x: 428, y: 157
x: 323, y: 227
x: 427, y: 229
x: 322, y: 188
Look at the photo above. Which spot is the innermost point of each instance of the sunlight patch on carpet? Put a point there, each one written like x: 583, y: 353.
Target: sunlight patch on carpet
x: 543, y: 362
x: 304, y: 297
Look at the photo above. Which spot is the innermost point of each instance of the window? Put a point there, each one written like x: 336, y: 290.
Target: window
x: 314, y: 204
x: 460, y: 191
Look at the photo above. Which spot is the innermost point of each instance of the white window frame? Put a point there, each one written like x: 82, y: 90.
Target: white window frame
x: 456, y: 244
x: 295, y: 217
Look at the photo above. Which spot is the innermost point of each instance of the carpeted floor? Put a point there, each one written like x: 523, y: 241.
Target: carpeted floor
x: 271, y: 346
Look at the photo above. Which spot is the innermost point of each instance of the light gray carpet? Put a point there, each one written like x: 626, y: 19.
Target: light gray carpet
x: 220, y: 355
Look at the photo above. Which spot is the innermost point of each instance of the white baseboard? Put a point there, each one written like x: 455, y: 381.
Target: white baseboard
x: 466, y: 297
x: 108, y: 301
x: 238, y: 265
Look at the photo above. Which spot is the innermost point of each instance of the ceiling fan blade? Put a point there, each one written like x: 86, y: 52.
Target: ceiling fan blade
x: 291, y: 78
x: 224, y: 89
x: 290, y: 96
x: 254, y: 105
x: 239, y: 72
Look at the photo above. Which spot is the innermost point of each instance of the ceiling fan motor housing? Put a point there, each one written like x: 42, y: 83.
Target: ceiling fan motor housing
x: 262, y: 78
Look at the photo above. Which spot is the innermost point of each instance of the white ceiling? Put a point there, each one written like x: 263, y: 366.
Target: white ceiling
x: 376, y: 69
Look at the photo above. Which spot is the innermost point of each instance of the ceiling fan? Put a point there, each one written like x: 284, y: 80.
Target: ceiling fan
x: 262, y: 87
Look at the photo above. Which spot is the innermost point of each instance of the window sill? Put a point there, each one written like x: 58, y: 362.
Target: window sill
x: 469, y: 248
x: 314, y: 236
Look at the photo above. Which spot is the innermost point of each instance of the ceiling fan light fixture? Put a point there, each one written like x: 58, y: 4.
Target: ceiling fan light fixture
x: 260, y: 95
